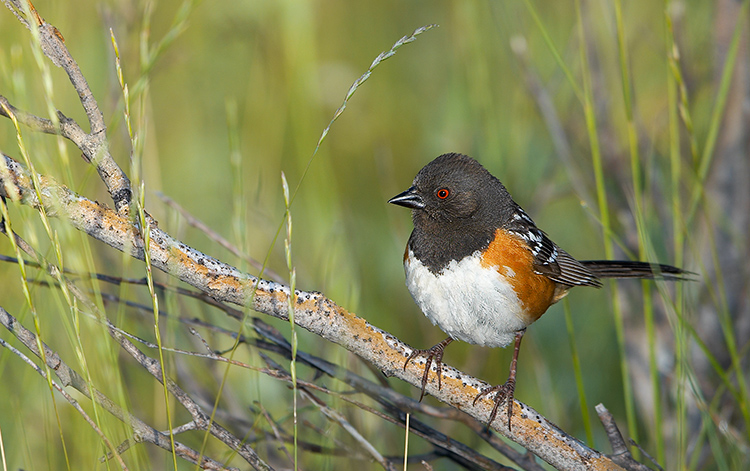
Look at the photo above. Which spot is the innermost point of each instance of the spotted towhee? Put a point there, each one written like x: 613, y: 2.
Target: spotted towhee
x: 479, y: 268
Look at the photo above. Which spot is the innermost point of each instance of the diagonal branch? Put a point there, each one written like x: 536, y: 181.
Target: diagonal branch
x: 313, y: 311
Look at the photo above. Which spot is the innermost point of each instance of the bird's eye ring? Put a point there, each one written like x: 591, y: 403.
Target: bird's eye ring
x: 443, y: 193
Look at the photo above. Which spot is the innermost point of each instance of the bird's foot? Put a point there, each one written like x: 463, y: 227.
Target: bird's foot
x: 503, y: 393
x: 435, y: 353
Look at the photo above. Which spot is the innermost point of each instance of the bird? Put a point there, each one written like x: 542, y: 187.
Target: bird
x: 482, y: 271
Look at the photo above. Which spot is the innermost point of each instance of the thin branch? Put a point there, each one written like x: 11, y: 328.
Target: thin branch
x: 338, y: 418
x: 69, y: 377
x: 620, y: 452
x: 218, y: 238
x: 276, y: 432
x: 201, y: 419
x: 62, y: 391
x: 94, y: 145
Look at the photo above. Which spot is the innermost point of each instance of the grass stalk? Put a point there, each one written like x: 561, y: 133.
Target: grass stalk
x: 717, y: 113
x: 604, y: 217
x: 636, y: 171
x: 555, y: 53
x: 51, y: 235
x: 585, y: 416
x: 678, y: 240
x: 291, y: 298
x: 703, y: 164
x: 144, y: 225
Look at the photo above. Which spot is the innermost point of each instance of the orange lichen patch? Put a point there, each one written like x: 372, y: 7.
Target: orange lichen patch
x: 198, y: 264
x: 336, y: 323
x: 93, y: 215
x: 510, y: 255
x: 58, y: 34
x: 530, y: 428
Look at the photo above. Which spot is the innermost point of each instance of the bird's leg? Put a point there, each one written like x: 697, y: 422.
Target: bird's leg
x: 435, y: 353
x: 505, y: 391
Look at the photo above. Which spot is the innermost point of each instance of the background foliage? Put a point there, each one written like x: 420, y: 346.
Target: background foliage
x: 227, y: 95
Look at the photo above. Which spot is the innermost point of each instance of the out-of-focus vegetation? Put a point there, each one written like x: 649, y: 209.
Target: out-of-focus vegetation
x: 241, y: 91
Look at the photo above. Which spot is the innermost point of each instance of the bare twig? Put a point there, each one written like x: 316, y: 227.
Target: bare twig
x: 620, y: 453
x: 69, y: 377
x: 201, y: 419
x: 397, y: 404
x: 216, y: 237
x: 94, y: 145
x: 62, y: 391
x: 338, y: 418
x: 277, y: 432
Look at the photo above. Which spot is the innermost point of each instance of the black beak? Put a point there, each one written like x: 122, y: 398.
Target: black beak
x: 409, y: 199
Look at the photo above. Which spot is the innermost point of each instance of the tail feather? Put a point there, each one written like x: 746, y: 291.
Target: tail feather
x: 629, y: 269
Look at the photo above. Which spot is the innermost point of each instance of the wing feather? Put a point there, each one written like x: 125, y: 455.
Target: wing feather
x: 550, y: 260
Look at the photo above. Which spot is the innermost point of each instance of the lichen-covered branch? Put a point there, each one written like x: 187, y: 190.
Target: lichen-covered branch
x: 313, y: 311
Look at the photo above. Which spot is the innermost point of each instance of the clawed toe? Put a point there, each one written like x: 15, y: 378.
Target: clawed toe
x: 503, y: 393
x: 432, y: 354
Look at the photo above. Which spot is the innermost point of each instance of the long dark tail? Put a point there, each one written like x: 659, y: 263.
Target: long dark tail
x: 628, y: 269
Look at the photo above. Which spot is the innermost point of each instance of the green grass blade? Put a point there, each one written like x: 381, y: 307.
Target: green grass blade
x: 585, y: 416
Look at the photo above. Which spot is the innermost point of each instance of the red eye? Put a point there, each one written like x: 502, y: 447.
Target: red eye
x: 443, y: 193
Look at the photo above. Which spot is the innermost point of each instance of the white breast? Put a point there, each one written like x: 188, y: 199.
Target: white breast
x: 467, y: 301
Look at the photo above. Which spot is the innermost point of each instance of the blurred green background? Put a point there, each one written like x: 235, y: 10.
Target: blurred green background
x: 241, y: 91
